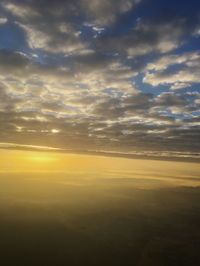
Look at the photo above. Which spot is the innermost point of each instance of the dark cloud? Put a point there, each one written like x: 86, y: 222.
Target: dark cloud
x: 148, y: 36
x: 54, y: 25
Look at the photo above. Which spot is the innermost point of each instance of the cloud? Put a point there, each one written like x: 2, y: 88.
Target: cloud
x: 105, y: 12
x: 98, y: 12
x: 173, y: 59
x: 3, y: 20
x: 186, y: 72
x: 45, y: 26
x: 93, y: 109
x: 65, y: 42
x: 161, y: 36
x: 76, y: 79
x: 51, y: 26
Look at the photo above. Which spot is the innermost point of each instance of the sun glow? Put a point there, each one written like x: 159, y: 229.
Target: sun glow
x: 31, y: 161
x: 41, y: 157
x: 46, y: 161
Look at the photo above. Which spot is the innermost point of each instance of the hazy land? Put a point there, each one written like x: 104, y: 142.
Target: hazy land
x: 58, y: 209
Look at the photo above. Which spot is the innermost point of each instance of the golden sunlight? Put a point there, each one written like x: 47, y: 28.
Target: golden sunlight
x: 39, y: 157
x: 174, y: 173
x: 71, y: 201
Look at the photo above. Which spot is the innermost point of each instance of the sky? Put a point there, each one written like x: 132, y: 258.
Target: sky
x: 102, y: 75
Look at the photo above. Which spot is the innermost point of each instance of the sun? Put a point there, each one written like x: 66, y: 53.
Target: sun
x: 41, y: 157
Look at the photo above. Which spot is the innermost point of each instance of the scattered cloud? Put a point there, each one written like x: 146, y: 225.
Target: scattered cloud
x: 162, y: 71
x: 98, y: 76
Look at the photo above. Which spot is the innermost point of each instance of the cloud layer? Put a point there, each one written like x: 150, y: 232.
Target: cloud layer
x: 100, y: 75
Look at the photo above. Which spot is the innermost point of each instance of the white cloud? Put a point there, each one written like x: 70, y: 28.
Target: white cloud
x: 187, y: 73
x: 3, y: 20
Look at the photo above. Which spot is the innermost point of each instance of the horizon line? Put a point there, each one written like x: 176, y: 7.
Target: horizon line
x: 150, y: 155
